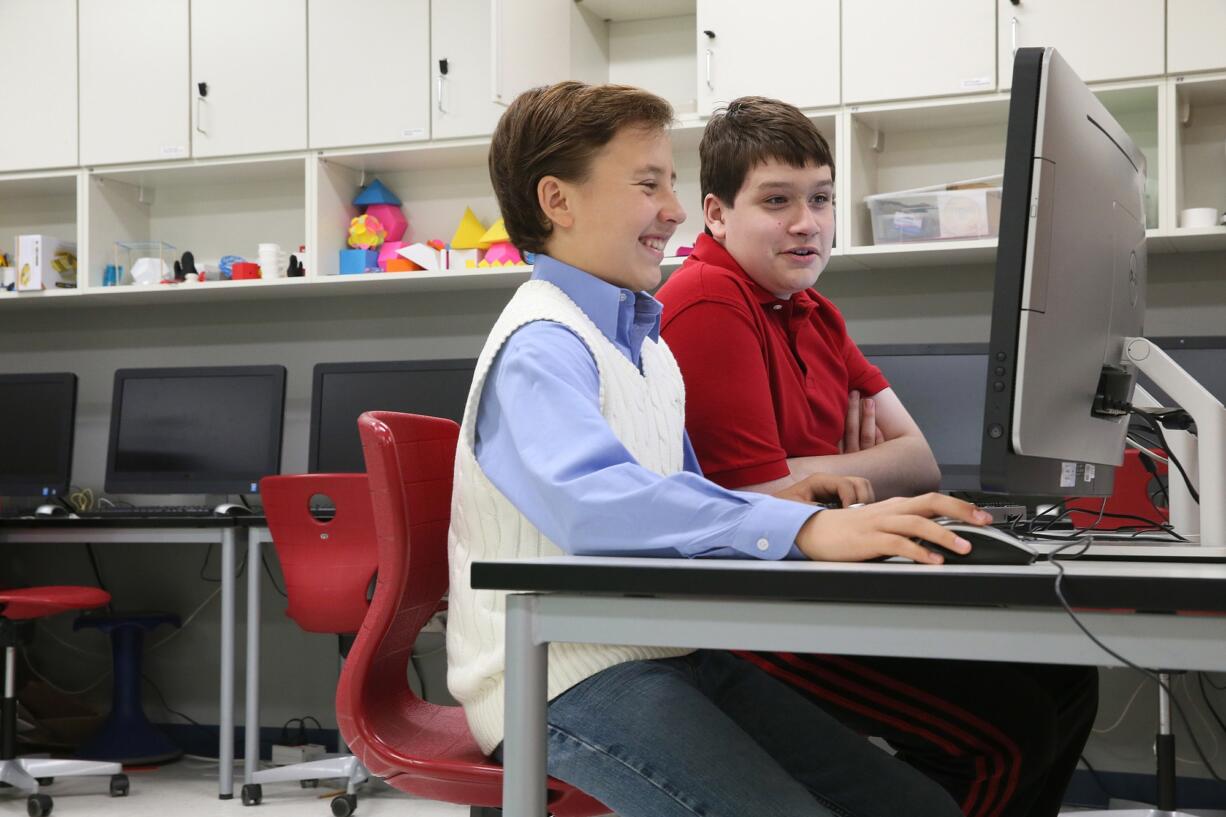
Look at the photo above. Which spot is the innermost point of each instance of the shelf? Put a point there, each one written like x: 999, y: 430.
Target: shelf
x: 619, y: 11
x: 1186, y: 239
x: 923, y: 254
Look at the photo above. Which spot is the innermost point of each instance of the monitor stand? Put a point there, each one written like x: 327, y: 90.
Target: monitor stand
x: 1203, y: 456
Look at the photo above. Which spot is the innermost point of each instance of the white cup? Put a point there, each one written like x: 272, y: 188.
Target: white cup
x: 1199, y: 217
x: 270, y: 261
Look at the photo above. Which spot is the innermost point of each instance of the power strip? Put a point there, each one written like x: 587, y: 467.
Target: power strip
x: 287, y: 755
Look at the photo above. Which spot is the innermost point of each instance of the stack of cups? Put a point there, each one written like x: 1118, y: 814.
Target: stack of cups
x: 270, y: 261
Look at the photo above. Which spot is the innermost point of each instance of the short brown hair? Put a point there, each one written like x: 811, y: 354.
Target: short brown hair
x: 555, y: 131
x: 752, y: 130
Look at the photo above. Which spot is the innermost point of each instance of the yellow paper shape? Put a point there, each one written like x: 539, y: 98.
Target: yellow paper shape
x: 495, y: 234
x: 468, y: 235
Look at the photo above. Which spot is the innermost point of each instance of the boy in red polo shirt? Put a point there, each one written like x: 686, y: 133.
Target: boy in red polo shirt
x: 776, y: 390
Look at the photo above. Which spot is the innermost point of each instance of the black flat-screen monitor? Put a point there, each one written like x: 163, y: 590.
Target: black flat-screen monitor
x: 342, y: 391
x: 36, y: 424
x: 209, y: 430
x: 941, y: 387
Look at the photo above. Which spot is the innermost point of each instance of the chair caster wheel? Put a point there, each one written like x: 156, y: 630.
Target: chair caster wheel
x: 119, y: 785
x: 45, y: 781
x: 344, y: 805
x: 312, y: 783
x: 38, y: 805
x: 252, y: 793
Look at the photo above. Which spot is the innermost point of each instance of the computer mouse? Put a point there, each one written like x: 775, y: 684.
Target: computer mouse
x: 989, y: 546
x: 231, y: 509
x: 51, y: 510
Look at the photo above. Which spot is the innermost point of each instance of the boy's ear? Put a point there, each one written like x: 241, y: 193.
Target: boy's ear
x: 713, y: 213
x: 551, y: 195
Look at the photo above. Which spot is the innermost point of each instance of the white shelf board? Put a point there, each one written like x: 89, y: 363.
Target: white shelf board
x: 1186, y: 239
x: 203, y: 173
x: 31, y: 185
x: 413, y: 155
x: 923, y: 254
x: 622, y: 10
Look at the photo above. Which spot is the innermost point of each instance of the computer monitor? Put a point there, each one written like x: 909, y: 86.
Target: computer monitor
x: 342, y: 391
x: 1202, y: 357
x: 941, y: 386
x: 36, y: 426
x: 208, y: 430
x: 1069, y: 289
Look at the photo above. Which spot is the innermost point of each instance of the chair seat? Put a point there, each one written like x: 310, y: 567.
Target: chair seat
x: 37, y: 602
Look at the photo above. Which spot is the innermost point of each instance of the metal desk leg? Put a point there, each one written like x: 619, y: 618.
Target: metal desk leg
x: 225, y: 748
x: 524, y: 749
x: 251, y: 751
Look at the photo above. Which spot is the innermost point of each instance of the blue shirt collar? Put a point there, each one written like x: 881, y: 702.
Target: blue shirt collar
x: 622, y: 316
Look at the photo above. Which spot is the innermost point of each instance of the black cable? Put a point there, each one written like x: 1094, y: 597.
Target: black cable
x: 268, y: 572
x: 1200, y: 681
x: 1156, y: 677
x: 1170, y: 455
x: 205, y: 563
x: 93, y: 563
x: 162, y: 698
x: 1210, y: 682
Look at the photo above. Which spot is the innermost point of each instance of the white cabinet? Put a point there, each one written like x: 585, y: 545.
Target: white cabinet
x: 530, y: 45
x: 1100, y: 39
x: 743, y: 51
x: 900, y: 49
x: 249, y: 79
x: 1195, y: 35
x: 135, y: 99
x: 460, y: 64
x: 368, y: 86
x: 38, y: 84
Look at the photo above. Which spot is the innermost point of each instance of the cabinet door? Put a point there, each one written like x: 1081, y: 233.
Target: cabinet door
x: 462, y: 93
x: 249, y: 79
x: 369, y: 86
x: 900, y: 49
x: 530, y: 45
x: 1195, y: 35
x: 135, y: 87
x: 757, y: 53
x: 38, y: 84
x: 1100, y: 39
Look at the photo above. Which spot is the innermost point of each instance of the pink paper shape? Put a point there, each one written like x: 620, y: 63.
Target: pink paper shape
x: 392, y: 218
x: 388, y: 250
x: 503, y: 253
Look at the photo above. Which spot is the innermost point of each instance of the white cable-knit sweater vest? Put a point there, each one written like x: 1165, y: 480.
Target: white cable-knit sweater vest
x: 647, y: 413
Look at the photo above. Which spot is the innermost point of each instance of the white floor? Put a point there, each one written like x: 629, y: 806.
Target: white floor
x: 188, y: 788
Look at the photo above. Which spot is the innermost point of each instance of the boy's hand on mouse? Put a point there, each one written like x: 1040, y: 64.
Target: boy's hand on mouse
x: 886, y: 529
x: 829, y: 488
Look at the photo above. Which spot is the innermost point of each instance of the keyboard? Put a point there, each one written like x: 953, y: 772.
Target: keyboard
x: 147, y: 511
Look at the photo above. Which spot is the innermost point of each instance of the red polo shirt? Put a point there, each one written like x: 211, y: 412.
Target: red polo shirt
x: 765, y: 379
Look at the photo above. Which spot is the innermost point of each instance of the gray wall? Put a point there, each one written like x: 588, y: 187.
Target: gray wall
x: 1187, y: 295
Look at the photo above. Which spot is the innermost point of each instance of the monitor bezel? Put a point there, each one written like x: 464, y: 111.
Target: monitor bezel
x: 48, y: 488
x: 154, y: 483
x: 321, y: 370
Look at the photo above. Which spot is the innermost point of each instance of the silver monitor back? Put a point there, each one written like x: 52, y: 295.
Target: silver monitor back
x: 1070, y: 286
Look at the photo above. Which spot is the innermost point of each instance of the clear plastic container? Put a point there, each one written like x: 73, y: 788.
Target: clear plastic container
x: 959, y: 210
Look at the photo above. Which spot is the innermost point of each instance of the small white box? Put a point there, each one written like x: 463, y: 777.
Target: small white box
x: 288, y: 755
x: 968, y: 209
x: 44, y: 261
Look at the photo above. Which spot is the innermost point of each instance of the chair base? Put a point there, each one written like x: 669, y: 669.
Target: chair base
x: 346, y: 767
x: 23, y: 773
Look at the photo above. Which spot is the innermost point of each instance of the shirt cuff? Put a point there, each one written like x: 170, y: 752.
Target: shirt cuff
x: 750, y: 475
x: 769, y: 529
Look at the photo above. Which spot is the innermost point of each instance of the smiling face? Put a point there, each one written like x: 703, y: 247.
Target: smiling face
x: 616, y: 222
x: 780, y: 227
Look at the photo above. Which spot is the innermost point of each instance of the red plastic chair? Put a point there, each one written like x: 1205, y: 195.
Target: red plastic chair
x: 24, y: 774
x: 328, y: 564
x: 416, y: 746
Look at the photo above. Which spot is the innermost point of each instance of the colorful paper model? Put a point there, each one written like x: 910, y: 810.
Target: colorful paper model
x: 355, y: 262
x: 499, y: 251
x: 423, y: 256
x: 459, y: 259
x: 468, y: 234
x: 375, y: 193
x: 366, y: 233
x: 388, y: 252
x: 391, y: 217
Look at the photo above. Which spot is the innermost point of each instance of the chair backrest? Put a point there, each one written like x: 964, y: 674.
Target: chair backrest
x: 328, y: 564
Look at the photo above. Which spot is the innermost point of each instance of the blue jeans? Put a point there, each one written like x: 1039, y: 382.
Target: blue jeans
x: 709, y: 734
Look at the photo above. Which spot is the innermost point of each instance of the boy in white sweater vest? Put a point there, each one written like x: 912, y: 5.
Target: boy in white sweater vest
x: 573, y: 441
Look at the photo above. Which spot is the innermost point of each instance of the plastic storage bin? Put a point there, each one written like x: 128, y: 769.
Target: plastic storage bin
x: 960, y: 210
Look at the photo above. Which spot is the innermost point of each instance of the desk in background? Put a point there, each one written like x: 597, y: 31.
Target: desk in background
x: 903, y: 610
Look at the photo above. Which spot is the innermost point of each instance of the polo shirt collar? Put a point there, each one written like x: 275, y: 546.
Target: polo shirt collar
x: 710, y: 251
x: 623, y: 316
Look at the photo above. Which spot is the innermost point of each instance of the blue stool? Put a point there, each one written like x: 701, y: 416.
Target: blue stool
x: 128, y: 736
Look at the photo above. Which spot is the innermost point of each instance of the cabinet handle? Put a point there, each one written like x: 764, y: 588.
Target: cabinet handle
x: 710, y: 56
x: 441, y: 109
x: 1013, y: 31
x: 200, y: 117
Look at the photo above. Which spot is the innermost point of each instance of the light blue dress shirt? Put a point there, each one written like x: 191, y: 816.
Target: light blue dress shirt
x: 543, y: 442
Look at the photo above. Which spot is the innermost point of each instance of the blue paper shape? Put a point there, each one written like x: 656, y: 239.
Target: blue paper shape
x: 376, y: 193
x: 355, y: 262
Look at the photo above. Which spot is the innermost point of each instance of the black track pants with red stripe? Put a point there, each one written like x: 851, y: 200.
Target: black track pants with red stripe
x: 1003, y: 739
